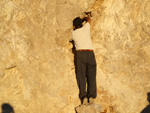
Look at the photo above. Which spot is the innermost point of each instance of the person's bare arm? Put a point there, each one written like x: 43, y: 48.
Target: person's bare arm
x: 87, y: 19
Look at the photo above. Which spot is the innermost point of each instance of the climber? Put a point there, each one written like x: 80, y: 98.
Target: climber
x: 85, y: 60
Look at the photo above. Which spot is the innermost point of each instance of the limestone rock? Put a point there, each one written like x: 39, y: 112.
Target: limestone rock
x: 37, y: 73
x: 93, y: 108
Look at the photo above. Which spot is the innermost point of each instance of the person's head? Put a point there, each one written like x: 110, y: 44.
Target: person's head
x: 7, y: 108
x: 148, y: 97
x: 77, y: 23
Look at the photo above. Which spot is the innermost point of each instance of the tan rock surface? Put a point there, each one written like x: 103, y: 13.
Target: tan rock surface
x: 92, y: 108
x: 36, y: 61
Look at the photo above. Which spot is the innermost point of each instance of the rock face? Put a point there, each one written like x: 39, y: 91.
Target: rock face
x: 93, y: 108
x: 37, y: 72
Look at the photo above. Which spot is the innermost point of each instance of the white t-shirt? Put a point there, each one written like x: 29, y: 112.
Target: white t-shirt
x: 82, y: 37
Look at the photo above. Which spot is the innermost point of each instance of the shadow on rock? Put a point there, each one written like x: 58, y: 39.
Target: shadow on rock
x: 91, y: 108
x: 7, y: 108
x: 147, y: 108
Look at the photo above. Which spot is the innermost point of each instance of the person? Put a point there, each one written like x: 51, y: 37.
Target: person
x: 147, y: 108
x: 85, y: 60
x: 7, y: 108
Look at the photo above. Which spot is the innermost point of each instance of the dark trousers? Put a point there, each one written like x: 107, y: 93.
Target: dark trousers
x: 86, y: 73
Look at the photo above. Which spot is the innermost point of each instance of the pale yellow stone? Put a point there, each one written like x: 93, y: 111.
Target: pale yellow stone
x: 37, y: 73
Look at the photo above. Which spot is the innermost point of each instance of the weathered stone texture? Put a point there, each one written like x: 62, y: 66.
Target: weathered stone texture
x: 37, y: 72
x: 92, y: 108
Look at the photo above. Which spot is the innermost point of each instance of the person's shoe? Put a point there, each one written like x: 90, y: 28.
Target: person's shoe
x: 85, y: 101
x: 91, y: 100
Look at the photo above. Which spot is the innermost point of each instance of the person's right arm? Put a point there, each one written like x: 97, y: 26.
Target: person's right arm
x: 87, y: 19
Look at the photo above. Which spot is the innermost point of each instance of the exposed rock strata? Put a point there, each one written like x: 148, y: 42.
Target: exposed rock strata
x: 36, y: 59
x: 93, y: 108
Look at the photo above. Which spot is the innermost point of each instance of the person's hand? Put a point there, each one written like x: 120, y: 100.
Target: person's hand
x: 87, y: 19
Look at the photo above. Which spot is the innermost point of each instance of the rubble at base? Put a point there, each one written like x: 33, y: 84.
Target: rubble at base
x: 92, y: 108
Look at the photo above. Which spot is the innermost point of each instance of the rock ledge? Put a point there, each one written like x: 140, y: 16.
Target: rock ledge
x: 92, y: 108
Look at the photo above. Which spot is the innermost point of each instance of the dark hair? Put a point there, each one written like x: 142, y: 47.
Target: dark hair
x: 77, y: 22
x: 7, y: 108
x: 148, y: 97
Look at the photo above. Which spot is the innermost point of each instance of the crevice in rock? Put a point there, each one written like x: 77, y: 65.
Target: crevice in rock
x: 11, y: 67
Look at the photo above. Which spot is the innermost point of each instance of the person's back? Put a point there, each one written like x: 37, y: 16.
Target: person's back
x: 82, y: 37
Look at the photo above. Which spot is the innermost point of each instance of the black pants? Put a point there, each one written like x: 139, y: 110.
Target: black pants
x: 86, y: 73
